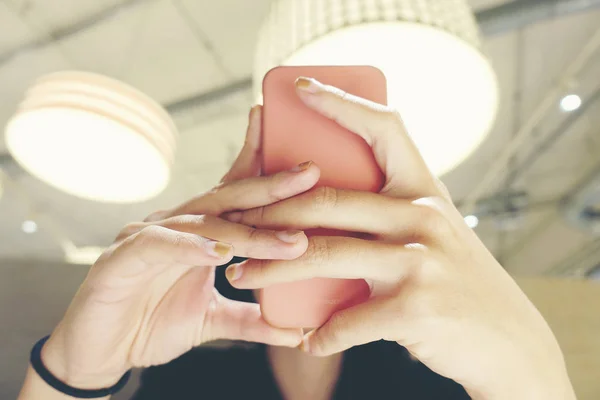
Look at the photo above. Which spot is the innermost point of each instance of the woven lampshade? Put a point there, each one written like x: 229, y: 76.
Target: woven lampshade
x: 438, y: 78
x: 93, y: 137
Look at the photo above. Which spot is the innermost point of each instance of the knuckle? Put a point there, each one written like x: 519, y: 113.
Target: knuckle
x: 260, y: 215
x: 392, y: 120
x: 430, y: 270
x: 156, y: 216
x: 185, y: 221
x: 141, y: 242
x: 215, y: 190
x: 274, y: 189
x: 185, y: 241
x: 319, y: 250
x: 105, y: 256
x: 415, y: 258
x: 258, y: 268
x: 145, y: 237
x: 336, y: 325
x: 253, y: 217
x: 130, y: 229
x: 443, y: 189
x: 204, y: 203
x: 432, y: 218
x: 325, y: 198
x: 255, y: 236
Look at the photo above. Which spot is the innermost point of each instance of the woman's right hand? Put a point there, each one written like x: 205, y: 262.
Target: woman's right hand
x: 150, y: 297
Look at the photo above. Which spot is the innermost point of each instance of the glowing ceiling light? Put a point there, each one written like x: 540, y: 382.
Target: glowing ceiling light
x: 29, y: 226
x: 472, y: 221
x: 570, y: 103
x: 443, y: 86
x: 83, y: 255
x: 93, y: 137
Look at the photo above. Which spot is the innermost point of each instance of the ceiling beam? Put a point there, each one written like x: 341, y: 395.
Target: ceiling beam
x: 492, y: 21
x: 518, y: 14
x: 57, y: 35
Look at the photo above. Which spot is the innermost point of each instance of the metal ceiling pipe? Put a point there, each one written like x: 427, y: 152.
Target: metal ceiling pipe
x: 521, y: 13
x: 492, y: 21
x: 579, y: 207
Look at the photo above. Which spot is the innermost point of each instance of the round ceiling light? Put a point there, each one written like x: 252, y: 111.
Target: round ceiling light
x: 570, y: 103
x: 93, y: 137
x: 443, y: 86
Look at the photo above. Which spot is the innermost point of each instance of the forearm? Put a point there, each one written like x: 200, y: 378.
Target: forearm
x: 549, y: 389
x: 51, y: 357
x: 34, y: 388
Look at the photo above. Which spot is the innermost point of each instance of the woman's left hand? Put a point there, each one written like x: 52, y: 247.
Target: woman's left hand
x: 436, y: 289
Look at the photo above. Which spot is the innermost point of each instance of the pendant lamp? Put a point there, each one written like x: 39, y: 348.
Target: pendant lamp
x: 93, y: 137
x: 438, y: 77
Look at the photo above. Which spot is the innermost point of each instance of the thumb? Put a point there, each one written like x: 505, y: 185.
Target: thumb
x: 407, y: 175
x: 248, y: 162
x: 358, y: 325
x: 236, y: 320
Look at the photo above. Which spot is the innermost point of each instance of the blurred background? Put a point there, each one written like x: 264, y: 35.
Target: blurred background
x: 530, y: 189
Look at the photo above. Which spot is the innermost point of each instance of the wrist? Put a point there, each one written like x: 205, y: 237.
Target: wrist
x: 528, y: 392
x: 557, y: 388
x: 62, y: 363
x: 35, y: 388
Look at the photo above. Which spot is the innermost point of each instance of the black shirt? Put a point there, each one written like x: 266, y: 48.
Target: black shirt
x: 376, y: 371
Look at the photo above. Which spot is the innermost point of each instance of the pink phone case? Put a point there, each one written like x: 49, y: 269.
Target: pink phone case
x: 292, y: 134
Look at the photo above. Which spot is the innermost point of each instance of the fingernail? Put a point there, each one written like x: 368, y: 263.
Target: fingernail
x: 252, y: 111
x: 302, y: 167
x: 234, y: 272
x: 235, y: 216
x: 308, y: 85
x: 289, y: 236
x: 218, y: 249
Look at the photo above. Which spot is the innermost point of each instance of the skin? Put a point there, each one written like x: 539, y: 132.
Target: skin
x: 429, y: 273
x: 150, y: 297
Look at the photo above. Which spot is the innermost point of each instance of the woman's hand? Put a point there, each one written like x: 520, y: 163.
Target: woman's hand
x: 435, y: 287
x: 150, y: 297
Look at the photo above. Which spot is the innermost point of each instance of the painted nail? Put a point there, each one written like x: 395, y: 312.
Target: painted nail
x: 289, y: 236
x: 234, y: 272
x: 302, y: 167
x: 308, y: 85
x: 252, y: 111
x: 218, y: 249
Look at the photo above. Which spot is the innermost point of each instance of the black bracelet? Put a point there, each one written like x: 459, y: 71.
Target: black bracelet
x: 42, y: 371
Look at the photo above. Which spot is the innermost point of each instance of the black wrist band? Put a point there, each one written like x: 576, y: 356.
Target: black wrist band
x: 51, y: 380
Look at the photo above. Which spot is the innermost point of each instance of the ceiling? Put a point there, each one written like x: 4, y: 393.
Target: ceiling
x: 179, y: 49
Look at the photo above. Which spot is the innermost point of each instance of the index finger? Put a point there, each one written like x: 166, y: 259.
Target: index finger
x: 251, y: 192
x: 407, y: 174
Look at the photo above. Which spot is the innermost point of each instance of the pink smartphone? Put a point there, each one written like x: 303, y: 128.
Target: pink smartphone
x: 292, y: 134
